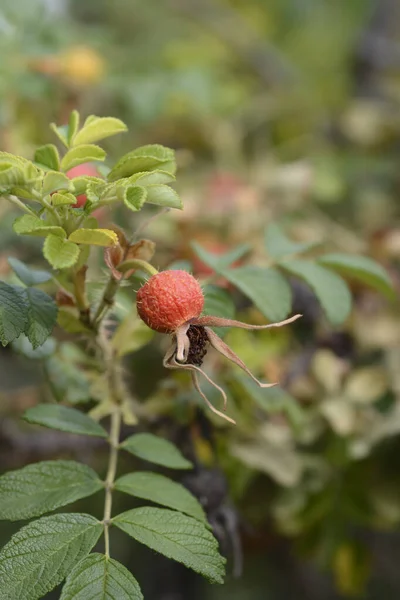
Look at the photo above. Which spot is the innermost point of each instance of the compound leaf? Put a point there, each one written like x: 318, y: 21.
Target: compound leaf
x: 156, y: 450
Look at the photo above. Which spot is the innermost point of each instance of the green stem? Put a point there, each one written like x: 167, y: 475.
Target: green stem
x: 20, y: 204
x: 115, y: 432
x: 137, y: 263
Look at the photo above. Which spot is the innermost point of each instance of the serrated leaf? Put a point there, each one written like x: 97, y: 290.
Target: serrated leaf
x: 41, y: 554
x: 63, y: 199
x: 133, y: 196
x: 48, y: 156
x: 98, y: 128
x: 55, y: 181
x: 161, y: 490
x: 81, y: 183
x: 176, y: 536
x: 94, y: 237
x: 156, y: 450
x: 82, y: 154
x: 61, y: 132
x: 362, y: 268
x: 26, y: 274
x: 42, y: 487
x: 13, y: 313
x: 31, y: 225
x: 42, y: 316
x: 60, y: 253
x: 73, y: 125
x: 163, y: 195
x: 152, y: 177
x: 98, y: 577
x: 267, y: 288
x: 330, y: 289
x: 278, y: 244
x: 152, y: 157
x: 63, y: 418
x: 11, y: 174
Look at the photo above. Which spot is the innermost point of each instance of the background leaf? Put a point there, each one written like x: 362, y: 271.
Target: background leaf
x: 176, y: 536
x: 13, y: 313
x: 41, y: 554
x: 278, y: 245
x: 97, y: 577
x: 64, y: 418
x: 45, y: 486
x: 156, y: 450
x: 362, y: 268
x: 161, y: 490
x: 26, y: 274
x: 331, y: 291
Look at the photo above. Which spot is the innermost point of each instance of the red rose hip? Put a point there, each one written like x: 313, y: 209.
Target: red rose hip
x: 170, y: 299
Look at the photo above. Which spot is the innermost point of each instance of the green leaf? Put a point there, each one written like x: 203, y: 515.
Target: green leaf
x: 218, y: 302
x: 98, y: 128
x: 82, y: 181
x: 73, y: 125
x: 55, y: 181
x: 133, y: 196
x: 42, y: 487
x: 278, y: 245
x: 48, y: 156
x: 41, y: 554
x: 100, y: 578
x: 64, y: 418
x: 362, y: 268
x: 31, y: 225
x: 11, y: 174
x: 152, y: 177
x: 161, y: 490
x: 163, y: 195
x: 156, y: 450
x: 152, y: 157
x: 63, y: 199
x: 13, y: 313
x: 61, y: 132
x: 23, y: 346
x: 331, y: 291
x: 42, y: 316
x: 82, y: 154
x: 176, y: 536
x: 94, y: 237
x: 26, y: 274
x: 69, y: 382
x: 220, y: 261
x: 60, y: 253
x: 267, y: 288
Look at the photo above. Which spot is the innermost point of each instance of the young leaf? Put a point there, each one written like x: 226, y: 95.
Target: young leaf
x: 60, y: 253
x: 331, y: 291
x: 146, y: 158
x: 41, y: 554
x: 98, y: 128
x: 156, y: 450
x: 360, y: 267
x: 48, y: 156
x: 54, y: 181
x: 161, y: 490
x: 73, y: 125
x: 42, y: 487
x: 26, y: 274
x: 176, y: 536
x: 267, y: 288
x: 163, y: 195
x: 98, y: 577
x: 61, y: 132
x: 30, y: 225
x: 152, y: 177
x: 11, y: 174
x: 42, y: 316
x: 63, y: 199
x: 82, y: 154
x: 94, y: 237
x: 133, y: 196
x: 13, y: 313
x: 63, y: 418
x: 278, y: 245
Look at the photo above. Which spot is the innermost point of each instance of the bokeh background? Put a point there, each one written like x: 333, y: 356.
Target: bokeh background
x: 281, y: 111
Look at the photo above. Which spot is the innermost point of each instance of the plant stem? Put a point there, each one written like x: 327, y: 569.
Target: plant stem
x: 115, y: 431
x: 20, y: 204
